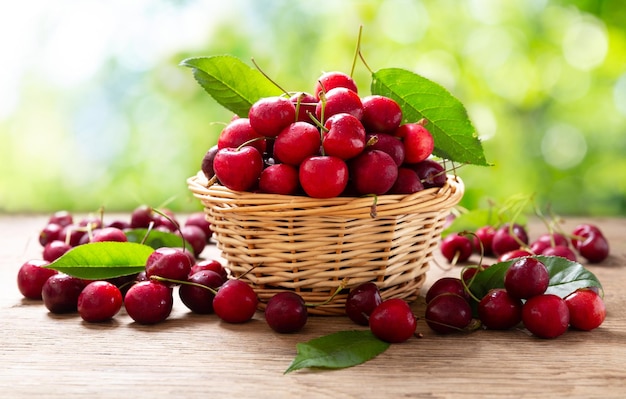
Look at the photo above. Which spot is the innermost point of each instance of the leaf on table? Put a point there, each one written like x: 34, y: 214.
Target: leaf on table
x: 103, y: 260
x: 338, y: 350
x: 231, y: 82
x: 566, y: 276
x: 156, y: 238
x: 454, y: 134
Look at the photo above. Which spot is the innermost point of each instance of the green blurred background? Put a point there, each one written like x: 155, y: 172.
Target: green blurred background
x: 95, y: 110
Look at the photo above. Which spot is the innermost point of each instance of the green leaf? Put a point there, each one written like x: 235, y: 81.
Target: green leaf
x: 338, y: 350
x: 232, y: 83
x: 103, y: 260
x: 156, y: 238
x: 566, y: 277
x: 455, y: 136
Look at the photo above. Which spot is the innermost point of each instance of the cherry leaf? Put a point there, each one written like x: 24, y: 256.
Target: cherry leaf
x: 231, y: 82
x: 103, y: 260
x: 566, y: 276
x: 155, y: 238
x: 338, y: 350
x: 454, y: 134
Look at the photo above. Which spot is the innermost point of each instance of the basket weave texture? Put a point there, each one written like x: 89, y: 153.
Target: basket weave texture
x: 309, y: 245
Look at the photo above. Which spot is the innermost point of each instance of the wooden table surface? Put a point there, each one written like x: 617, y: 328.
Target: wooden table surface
x: 193, y: 356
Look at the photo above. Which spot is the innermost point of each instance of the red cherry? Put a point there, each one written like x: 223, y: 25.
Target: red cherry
x: 31, y: 277
x: 240, y: 131
x: 333, y: 79
x: 345, y: 136
x: 297, y: 142
x: 546, y: 315
x: 339, y: 101
x: 381, y: 114
x: 238, y: 169
x: 323, y: 176
x: 373, y: 172
x: 305, y: 104
x: 269, y: 115
x: 235, y: 302
x: 279, y: 179
x: 586, y: 308
x: 418, y: 142
x: 393, y: 321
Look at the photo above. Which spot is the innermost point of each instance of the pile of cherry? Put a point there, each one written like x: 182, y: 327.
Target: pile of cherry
x: 203, y: 284
x: 326, y: 144
x: 523, y: 299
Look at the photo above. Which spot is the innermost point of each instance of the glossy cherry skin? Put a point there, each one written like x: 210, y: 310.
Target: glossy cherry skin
x: 330, y: 80
x: 50, y: 232
x: 237, y: 132
x: 141, y: 217
x: 373, y: 172
x: 456, y: 248
x: 31, y: 277
x: 195, y: 237
x: 586, y: 308
x: 279, y: 178
x: 499, y: 311
x: 269, y: 115
x: 393, y: 321
x: 54, y: 250
x: 305, y: 104
x: 381, y: 114
x: 286, y: 312
x: 206, y: 165
x: 484, y: 234
x: 60, y: 293
x: 209, y: 264
x: 508, y: 238
x: 197, y: 299
x: 149, y: 302
x: 386, y: 143
x: 99, y: 301
x: 235, y: 302
x: 361, y: 302
x: 170, y: 263
x: 199, y: 219
x: 323, y: 176
x: 108, y: 234
x: 560, y: 250
x: 345, y: 136
x: 297, y: 142
x: 238, y: 169
x: 526, y: 277
x: 514, y: 254
x: 62, y: 218
x: 431, y: 173
x: 418, y: 142
x: 446, y: 285
x: 448, y: 313
x: 339, y: 100
x: 594, y: 248
x: 407, y: 182
x: 546, y: 315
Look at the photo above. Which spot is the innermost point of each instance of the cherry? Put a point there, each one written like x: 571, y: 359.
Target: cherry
x: 470, y: 272
x: 195, y: 237
x: 361, y: 301
x: 386, y: 143
x: 99, y: 301
x: 286, y: 312
x: 546, y: 315
x: 236, y: 133
x: 207, y: 162
x: 323, y: 176
x: 119, y: 224
x: 31, y: 277
x: 305, y: 104
x: 62, y: 218
x: 238, y: 169
x: 594, y: 247
x: 50, y: 232
x: 514, y: 254
x: 339, y: 100
x: 448, y: 313
x: 109, y: 234
x: 484, y: 234
x: 373, y: 172
x: 456, y: 248
x: 209, y: 264
x: 526, y: 277
x: 344, y: 137
x: 418, y: 142
x: 509, y: 237
x: 199, y: 219
x: 54, y: 250
x: 149, y: 302
x: 499, y: 311
x: 197, y: 299
x: 331, y: 80
x: 586, y: 308
x: 72, y: 234
x: 297, y: 142
x: 170, y: 263
x: 166, y: 220
x: 447, y: 285
x: 393, y: 321
x: 553, y: 239
x: 269, y: 115
x: 407, y: 182
x: 279, y: 179
x: 60, y: 293
x: 381, y: 114
x: 235, y: 302
x: 431, y: 173
x: 582, y: 231
x: 141, y: 217
x: 560, y: 250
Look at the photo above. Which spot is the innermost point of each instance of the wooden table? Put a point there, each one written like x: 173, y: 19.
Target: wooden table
x: 59, y: 356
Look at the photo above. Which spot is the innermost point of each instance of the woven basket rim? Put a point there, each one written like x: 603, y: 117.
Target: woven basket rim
x: 388, y: 205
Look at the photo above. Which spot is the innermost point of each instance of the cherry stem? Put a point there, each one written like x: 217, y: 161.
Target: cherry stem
x: 268, y: 78
x: 341, y: 287
x: 181, y: 282
x: 357, y: 51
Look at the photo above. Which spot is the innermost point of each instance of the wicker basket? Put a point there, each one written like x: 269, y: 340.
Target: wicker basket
x: 311, y: 245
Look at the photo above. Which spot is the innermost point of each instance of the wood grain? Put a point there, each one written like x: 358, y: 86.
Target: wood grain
x: 190, y: 356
